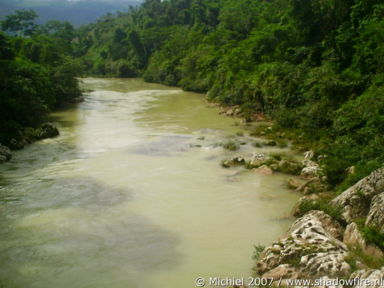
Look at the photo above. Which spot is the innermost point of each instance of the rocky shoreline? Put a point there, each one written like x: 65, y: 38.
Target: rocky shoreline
x: 335, y: 236
x: 316, y: 245
x: 27, y: 136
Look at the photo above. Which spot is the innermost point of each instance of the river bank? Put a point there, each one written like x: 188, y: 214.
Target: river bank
x: 132, y: 194
x: 27, y: 136
x: 336, y: 235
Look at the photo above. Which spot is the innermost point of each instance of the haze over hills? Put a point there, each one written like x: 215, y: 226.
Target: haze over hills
x: 77, y: 12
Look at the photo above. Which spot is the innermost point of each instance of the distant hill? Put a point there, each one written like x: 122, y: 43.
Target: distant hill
x: 76, y: 12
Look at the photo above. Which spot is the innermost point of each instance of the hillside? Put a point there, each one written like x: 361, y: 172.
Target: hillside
x: 75, y: 12
x: 315, y: 67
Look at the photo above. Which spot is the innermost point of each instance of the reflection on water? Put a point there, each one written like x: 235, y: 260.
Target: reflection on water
x: 131, y: 194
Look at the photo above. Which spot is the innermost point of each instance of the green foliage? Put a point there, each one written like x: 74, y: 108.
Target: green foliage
x: 22, y: 22
x: 313, y: 66
x: 231, y: 146
x: 37, y: 73
x: 257, y: 252
x: 373, y: 235
x: 356, y: 254
x: 322, y: 205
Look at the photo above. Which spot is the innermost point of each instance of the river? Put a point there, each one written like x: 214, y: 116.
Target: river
x: 132, y: 194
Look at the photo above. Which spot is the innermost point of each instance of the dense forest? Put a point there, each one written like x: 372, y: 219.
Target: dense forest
x: 37, y: 74
x: 315, y: 67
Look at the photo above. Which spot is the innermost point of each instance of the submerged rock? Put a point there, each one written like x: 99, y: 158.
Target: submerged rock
x: 5, y: 153
x: 264, y: 169
x: 259, y: 159
x: 237, y: 161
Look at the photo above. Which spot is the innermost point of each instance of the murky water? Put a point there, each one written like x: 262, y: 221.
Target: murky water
x: 132, y: 194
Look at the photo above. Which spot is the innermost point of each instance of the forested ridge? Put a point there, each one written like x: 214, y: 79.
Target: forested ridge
x: 315, y: 67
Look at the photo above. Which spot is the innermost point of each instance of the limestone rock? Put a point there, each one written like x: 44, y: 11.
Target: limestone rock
x: 353, y: 237
x: 312, y: 246
x: 264, y: 169
x: 311, y: 169
x: 258, y: 159
x: 237, y: 161
x: 284, y: 271
x: 356, y: 200
x: 294, y: 183
x: 376, y: 213
x: 289, y: 167
x: 375, y: 277
x: 5, y: 153
x: 48, y: 130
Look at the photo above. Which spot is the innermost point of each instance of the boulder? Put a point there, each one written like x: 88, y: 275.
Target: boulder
x: 16, y: 144
x: 311, y: 169
x: 264, y: 169
x: 289, y: 167
x: 5, y: 153
x: 270, y: 143
x: 237, y: 161
x: 356, y: 200
x: 353, y: 238
x: 374, y: 278
x: 309, y: 155
x: 311, y: 246
x: 258, y: 159
x: 294, y: 183
x: 284, y: 271
x: 375, y: 216
x: 48, y: 130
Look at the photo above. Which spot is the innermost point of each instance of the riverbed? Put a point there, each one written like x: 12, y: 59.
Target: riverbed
x: 132, y: 194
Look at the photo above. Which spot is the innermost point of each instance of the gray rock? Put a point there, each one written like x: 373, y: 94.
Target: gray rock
x: 259, y: 159
x: 289, y: 167
x: 356, y: 200
x: 311, y: 169
x: 264, y: 169
x: 311, y: 246
x: 237, y: 161
x: 5, y: 153
x: 354, y: 238
x: 376, y: 213
x: 48, y: 130
x: 375, y: 278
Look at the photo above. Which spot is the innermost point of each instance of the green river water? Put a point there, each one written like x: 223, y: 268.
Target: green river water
x: 130, y: 195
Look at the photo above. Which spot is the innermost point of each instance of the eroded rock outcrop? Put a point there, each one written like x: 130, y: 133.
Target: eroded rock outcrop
x: 311, y: 248
x: 374, y: 276
x: 375, y: 216
x: 356, y: 201
x: 354, y: 238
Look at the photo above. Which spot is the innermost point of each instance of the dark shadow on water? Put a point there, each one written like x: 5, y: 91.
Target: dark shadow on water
x: 84, y: 247
x: 164, y: 146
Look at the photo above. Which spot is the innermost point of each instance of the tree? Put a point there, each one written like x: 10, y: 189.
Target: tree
x: 20, y: 23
